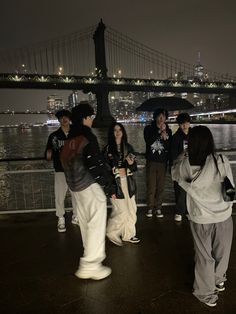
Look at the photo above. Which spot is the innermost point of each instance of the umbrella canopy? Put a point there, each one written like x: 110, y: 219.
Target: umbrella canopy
x: 167, y: 103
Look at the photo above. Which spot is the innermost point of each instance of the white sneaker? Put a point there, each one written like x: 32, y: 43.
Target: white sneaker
x: 61, y: 227
x: 159, y: 214
x: 75, y: 220
x: 220, y: 286
x: 100, y: 273
x: 211, y: 304
x: 178, y: 217
x: 149, y: 213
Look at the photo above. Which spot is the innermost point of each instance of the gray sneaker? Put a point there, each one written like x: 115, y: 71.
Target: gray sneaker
x: 61, y: 227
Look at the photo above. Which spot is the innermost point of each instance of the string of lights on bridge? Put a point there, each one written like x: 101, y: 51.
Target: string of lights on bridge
x: 81, y: 80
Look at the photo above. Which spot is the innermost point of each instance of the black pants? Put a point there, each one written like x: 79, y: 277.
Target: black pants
x: 180, y: 199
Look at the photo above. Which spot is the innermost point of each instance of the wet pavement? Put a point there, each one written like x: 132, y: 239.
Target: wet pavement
x: 154, y: 276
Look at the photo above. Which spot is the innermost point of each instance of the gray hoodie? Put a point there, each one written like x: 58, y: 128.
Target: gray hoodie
x: 205, y: 203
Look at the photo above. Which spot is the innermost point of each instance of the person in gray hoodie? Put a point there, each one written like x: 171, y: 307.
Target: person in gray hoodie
x: 201, y: 174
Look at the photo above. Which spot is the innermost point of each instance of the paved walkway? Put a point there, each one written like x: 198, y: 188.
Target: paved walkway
x: 155, y: 276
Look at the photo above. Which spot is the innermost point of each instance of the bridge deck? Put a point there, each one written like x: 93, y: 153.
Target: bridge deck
x: 154, y: 276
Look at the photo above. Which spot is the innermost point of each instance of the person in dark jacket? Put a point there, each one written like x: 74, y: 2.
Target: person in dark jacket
x: 119, y: 155
x: 54, y: 145
x: 88, y: 177
x: 179, y: 147
x: 158, y: 138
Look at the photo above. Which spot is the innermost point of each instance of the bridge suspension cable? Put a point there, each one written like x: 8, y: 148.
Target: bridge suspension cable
x: 71, y: 54
x: 130, y: 58
x: 74, y: 54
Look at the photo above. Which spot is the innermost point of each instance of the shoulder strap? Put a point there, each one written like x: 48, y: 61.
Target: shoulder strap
x: 221, y: 158
x: 215, y: 161
x: 223, y: 164
x: 197, y: 175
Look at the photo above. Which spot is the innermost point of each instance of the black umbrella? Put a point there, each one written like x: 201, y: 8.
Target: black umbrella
x: 168, y: 103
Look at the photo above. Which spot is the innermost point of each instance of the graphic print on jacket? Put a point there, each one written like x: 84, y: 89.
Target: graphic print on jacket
x: 157, y: 146
x: 57, y: 143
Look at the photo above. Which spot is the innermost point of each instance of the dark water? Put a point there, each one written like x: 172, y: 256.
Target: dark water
x: 35, y: 189
x: 17, y: 143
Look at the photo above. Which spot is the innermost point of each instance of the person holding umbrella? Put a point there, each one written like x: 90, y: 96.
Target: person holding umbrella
x: 158, y: 138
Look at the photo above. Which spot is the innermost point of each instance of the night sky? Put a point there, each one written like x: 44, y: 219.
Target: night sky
x: 178, y: 28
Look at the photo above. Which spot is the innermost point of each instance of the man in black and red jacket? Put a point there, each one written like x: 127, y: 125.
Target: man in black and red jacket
x: 88, y: 178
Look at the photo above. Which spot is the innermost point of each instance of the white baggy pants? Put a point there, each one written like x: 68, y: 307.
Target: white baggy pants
x: 60, y: 189
x: 123, y: 216
x: 91, y: 208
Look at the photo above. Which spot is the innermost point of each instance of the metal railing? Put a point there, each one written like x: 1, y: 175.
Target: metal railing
x: 27, y: 185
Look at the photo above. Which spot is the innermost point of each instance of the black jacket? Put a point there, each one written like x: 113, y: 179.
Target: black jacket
x: 179, y: 139
x: 112, y: 160
x: 55, y: 143
x: 157, y: 149
x: 83, y: 162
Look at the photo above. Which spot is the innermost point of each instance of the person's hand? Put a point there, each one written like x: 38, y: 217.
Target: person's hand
x: 164, y: 135
x: 113, y: 196
x: 49, y: 155
x: 130, y: 159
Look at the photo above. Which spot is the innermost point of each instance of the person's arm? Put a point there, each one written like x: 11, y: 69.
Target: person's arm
x: 131, y: 159
x: 174, y: 148
x: 49, y: 149
x: 97, y: 166
x: 228, y: 170
x: 146, y: 134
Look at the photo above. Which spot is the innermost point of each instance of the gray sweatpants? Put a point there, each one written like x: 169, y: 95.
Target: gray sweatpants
x: 212, y: 244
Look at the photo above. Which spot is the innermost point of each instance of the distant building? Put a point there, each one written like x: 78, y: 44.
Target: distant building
x: 199, y: 73
x: 73, y: 100
x: 54, y: 103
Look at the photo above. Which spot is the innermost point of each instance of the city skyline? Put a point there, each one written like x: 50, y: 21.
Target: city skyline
x: 179, y: 29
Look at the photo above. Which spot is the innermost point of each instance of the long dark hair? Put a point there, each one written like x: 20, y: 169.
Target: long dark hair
x: 200, y: 145
x: 112, y: 141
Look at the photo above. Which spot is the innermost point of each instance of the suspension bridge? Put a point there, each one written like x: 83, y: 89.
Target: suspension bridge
x: 99, y: 59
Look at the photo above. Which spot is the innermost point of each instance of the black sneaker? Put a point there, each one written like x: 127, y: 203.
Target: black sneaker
x: 133, y: 240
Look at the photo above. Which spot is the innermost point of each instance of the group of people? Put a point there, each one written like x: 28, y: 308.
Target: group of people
x: 93, y: 175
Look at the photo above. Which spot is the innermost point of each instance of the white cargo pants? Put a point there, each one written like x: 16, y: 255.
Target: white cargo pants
x: 91, y: 208
x: 60, y: 189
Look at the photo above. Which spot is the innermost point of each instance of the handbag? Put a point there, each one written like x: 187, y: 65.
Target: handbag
x: 228, y: 190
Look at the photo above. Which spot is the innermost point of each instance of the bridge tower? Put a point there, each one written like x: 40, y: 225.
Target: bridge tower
x: 103, y: 117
